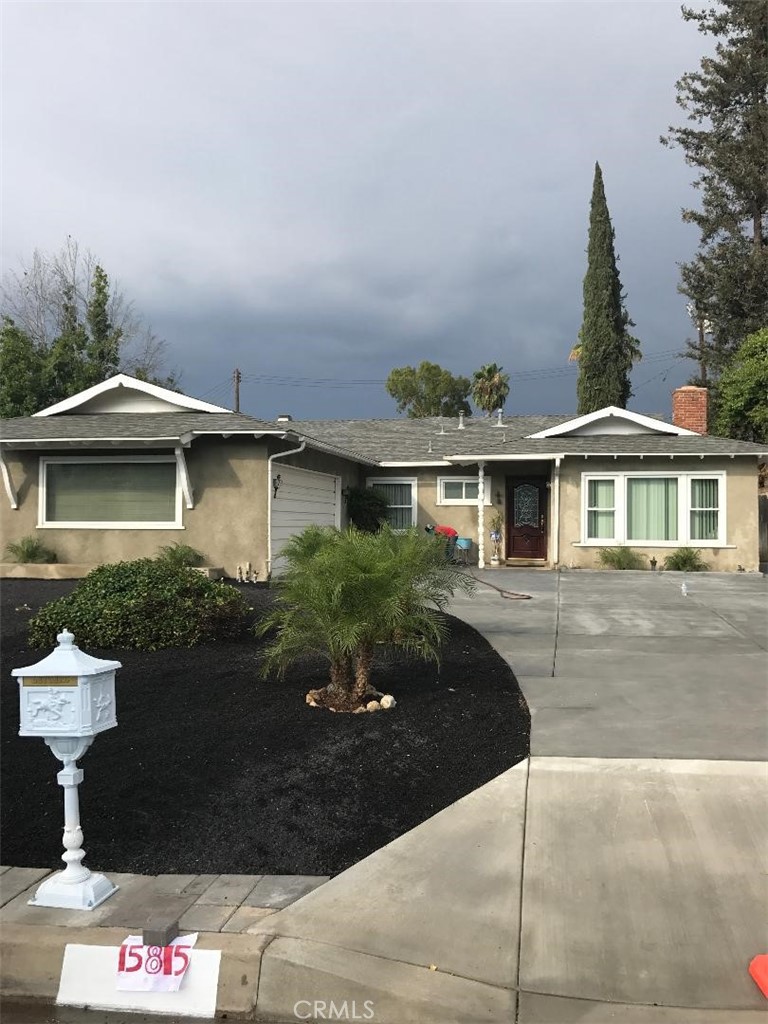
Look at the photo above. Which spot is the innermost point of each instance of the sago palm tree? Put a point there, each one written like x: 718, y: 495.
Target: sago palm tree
x: 490, y: 388
x: 345, y: 591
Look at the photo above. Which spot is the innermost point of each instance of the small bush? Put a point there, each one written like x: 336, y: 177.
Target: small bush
x: 366, y: 508
x: 180, y: 555
x: 685, y: 560
x: 621, y: 558
x: 29, y: 549
x: 147, y: 604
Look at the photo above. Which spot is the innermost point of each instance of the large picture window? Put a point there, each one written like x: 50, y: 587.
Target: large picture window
x: 653, y: 509
x: 401, y: 501
x: 117, y: 492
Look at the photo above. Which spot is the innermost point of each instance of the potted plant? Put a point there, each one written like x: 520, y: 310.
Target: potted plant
x: 497, y: 527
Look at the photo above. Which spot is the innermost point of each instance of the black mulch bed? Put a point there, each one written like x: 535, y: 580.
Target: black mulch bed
x: 214, y: 770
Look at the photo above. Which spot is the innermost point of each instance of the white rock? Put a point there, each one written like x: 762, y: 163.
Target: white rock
x: 373, y: 705
x: 388, y: 701
x: 313, y: 703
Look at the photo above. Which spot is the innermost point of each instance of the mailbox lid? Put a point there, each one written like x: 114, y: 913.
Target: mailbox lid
x: 67, y: 661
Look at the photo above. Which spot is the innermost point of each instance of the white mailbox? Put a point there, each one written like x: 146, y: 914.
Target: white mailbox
x: 69, y: 693
x: 67, y: 698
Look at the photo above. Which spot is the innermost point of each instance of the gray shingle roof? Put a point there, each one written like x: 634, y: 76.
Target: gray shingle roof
x: 421, y: 440
x: 384, y: 440
x: 128, y: 426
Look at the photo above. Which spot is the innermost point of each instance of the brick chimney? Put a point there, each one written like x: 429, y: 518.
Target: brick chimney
x: 689, y: 408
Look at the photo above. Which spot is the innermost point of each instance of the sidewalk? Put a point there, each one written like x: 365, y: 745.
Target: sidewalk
x: 617, y: 885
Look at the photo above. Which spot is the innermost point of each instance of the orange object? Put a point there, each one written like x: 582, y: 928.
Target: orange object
x: 759, y: 971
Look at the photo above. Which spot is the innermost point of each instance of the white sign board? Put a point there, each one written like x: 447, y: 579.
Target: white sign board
x: 89, y: 978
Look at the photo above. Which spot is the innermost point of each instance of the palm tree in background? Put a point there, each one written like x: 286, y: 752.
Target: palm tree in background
x: 490, y: 388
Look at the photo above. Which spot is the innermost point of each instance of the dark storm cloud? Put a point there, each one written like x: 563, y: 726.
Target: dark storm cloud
x: 331, y: 190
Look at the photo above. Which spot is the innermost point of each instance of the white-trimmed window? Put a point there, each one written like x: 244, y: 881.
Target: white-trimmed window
x: 601, y: 509
x: 462, y: 490
x: 117, y: 492
x: 653, y: 509
x: 400, y: 493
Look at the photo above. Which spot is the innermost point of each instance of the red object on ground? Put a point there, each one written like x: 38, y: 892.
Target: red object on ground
x: 447, y: 531
x: 759, y: 971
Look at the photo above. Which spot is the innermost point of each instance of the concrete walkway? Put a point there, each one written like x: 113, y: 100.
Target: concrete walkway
x: 617, y: 875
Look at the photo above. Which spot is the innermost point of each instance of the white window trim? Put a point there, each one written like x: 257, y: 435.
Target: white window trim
x: 412, y: 480
x: 683, y: 510
x: 45, y: 461
x: 472, y: 502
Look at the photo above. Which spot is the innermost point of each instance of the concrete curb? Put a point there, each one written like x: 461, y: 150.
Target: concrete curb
x: 32, y: 957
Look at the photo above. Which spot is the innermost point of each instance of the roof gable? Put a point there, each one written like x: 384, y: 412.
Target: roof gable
x: 124, y: 394
x: 612, y: 420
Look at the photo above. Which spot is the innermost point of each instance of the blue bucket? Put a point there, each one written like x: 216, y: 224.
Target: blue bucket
x: 465, y: 543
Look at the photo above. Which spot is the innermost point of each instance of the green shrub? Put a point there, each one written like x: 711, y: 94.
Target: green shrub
x: 366, y: 508
x: 621, y: 558
x: 147, y: 604
x: 180, y: 555
x: 29, y: 549
x: 685, y: 560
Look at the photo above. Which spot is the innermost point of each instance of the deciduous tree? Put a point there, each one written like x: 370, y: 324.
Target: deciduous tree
x: 742, y: 408
x: 428, y: 390
x: 65, y: 328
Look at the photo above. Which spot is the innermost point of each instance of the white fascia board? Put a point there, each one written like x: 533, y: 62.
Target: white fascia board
x: 660, y: 426
x: 122, y: 380
x: 38, y: 442
x: 404, y: 465
x: 529, y: 457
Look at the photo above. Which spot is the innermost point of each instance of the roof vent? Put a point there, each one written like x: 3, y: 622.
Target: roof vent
x: 500, y: 418
x: 461, y: 421
x: 285, y: 417
x: 429, y: 450
x: 442, y: 426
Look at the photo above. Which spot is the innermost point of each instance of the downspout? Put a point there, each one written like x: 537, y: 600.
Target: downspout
x: 9, y: 490
x: 556, y: 515
x: 270, y: 460
x: 481, y: 515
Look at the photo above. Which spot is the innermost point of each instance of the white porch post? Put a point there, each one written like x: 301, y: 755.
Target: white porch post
x: 481, y: 515
x: 556, y: 515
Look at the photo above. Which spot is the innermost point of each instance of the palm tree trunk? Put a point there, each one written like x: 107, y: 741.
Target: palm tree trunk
x: 363, y: 663
x: 341, y: 676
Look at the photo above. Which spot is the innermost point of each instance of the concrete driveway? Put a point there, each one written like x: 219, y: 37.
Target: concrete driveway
x: 620, y: 664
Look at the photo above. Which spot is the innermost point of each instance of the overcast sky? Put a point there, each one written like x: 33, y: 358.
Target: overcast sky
x: 326, y: 191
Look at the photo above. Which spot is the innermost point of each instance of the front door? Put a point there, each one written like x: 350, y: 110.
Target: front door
x: 527, y: 517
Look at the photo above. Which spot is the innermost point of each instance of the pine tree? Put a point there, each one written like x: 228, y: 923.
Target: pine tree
x: 606, y: 348
x: 727, y: 141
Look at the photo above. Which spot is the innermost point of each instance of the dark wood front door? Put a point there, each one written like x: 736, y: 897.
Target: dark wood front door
x: 527, y: 502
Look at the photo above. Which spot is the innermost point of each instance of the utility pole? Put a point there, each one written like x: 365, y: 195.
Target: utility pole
x: 236, y: 378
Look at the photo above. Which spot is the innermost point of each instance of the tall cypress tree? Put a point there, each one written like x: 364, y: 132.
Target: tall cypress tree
x: 606, y: 348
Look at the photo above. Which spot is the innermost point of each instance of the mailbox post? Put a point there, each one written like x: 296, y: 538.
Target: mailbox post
x: 67, y: 698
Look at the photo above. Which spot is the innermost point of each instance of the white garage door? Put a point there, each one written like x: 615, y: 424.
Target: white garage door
x: 303, y: 499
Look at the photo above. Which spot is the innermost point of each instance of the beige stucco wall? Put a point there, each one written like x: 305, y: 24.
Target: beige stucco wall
x: 228, y: 523
x: 741, y: 509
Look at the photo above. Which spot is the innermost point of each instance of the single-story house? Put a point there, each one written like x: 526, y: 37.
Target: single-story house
x: 124, y: 467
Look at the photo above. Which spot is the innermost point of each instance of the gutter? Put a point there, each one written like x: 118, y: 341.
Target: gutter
x: 270, y: 461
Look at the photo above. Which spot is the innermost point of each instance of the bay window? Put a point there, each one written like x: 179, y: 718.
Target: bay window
x: 653, y: 509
